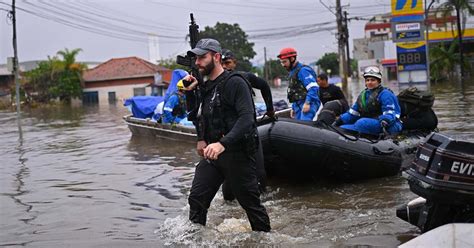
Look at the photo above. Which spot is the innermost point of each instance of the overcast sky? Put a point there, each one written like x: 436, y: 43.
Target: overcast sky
x: 106, y: 29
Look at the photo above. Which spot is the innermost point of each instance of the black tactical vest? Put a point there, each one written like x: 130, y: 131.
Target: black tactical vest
x: 179, y: 109
x: 296, y: 90
x: 223, y: 117
x: 370, y: 107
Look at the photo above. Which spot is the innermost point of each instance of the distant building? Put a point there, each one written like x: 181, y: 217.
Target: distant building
x: 6, y: 83
x: 121, y: 78
x: 378, y: 48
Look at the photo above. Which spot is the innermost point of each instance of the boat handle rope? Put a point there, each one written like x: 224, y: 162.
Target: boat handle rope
x: 356, y: 138
x: 340, y: 133
x: 379, y: 152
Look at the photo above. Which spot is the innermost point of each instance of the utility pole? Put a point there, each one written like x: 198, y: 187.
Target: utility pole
x: 15, y: 71
x: 340, y: 42
x: 427, y: 41
x: 458, y: 24
x: 346, y: 38
x: 265, y: 66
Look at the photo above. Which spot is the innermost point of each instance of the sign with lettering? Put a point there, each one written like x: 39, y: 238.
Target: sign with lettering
x: 407, y: 26
x: 411, y: 31
x: 407, y: 7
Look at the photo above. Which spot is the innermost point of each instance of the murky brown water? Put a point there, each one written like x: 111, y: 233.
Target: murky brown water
x: 78, y: 179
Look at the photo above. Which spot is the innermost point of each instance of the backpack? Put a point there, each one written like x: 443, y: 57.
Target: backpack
x: 419, y: 98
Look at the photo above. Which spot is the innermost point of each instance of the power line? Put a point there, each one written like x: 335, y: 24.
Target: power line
x: 290, y: 34
x: 327, y: 7
x: 102, y: 32
x: 91, y: 20
x: 289, y: 27
x: 104, y: 12
x: 264, y: 7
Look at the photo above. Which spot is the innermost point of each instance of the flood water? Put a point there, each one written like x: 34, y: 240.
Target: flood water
x: 78, y: 178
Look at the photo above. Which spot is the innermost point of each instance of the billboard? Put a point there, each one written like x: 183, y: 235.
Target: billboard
x: 407, y: 7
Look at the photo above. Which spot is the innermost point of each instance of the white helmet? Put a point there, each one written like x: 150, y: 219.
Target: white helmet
x: 372, y: 71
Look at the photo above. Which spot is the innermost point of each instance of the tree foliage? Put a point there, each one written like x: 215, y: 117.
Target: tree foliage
x: 443, y: 60
x: 460, y: 7
x: 329, y: 61
x: 232, y: 37
x: 275, y: 69
x: 57, y: 77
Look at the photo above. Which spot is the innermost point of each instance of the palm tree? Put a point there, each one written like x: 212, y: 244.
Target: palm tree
x: 69, y: 57
x: 443, y: 60
x: 459, y: 6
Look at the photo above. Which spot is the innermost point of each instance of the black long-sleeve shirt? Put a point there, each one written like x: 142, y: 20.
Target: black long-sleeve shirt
x: 236, y: 100
x: 262, y: 85
x: 332, y: 92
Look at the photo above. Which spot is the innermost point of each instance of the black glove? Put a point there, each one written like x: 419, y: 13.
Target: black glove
x: 384, y: 124
x: 337, y: 122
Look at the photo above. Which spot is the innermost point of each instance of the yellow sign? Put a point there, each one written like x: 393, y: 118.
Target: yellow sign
x: 407, y: 7
x: 411, y: 45
x: 450, y: 35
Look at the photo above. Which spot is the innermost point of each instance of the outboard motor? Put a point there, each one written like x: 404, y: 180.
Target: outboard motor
x: 442, y: 173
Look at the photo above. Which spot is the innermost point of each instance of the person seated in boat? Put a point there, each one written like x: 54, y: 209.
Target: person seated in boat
x: 333, y: 100
x: 174, y: 108
x: 302, y: 90
x: 229, y: 62
x: 376, y: 110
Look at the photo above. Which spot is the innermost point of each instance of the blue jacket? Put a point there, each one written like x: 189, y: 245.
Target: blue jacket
x: 178, y: 105
x: 308, y: 77
x: 389, y: 106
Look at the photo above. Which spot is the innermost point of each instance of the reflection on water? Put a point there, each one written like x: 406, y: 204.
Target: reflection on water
x: 79, y: 179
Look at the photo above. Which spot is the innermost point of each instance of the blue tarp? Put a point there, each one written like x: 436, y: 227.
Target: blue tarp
x: 143, y: 106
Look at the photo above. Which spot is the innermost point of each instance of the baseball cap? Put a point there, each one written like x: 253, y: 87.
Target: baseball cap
x: 227, y: 54
x: 204, y: 46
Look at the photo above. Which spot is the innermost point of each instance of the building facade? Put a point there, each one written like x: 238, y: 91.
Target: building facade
x: 122, y: 78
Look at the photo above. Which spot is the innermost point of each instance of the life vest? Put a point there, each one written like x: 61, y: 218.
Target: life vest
x: 180, y: 109
x: 223, y: 116
x: 370, y: 107
x: 296, y: 90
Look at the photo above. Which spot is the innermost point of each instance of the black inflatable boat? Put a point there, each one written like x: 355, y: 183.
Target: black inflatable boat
x: 442, y: 173
x: 300, y: 147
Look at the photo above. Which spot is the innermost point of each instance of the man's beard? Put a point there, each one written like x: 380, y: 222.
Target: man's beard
x: 206, y: 70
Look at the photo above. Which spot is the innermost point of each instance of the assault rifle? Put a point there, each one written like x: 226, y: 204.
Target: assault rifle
x: 193, y: 97
x: 189, y: 61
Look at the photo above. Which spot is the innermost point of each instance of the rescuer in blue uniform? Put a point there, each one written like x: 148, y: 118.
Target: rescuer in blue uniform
x: 302, y: 87
x: 174, y: 109
x: 376, y: 110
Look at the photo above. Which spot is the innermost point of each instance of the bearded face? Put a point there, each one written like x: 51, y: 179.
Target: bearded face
x: 206, y: 64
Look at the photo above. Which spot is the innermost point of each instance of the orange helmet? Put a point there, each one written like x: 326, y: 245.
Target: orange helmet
x: 287, y: 52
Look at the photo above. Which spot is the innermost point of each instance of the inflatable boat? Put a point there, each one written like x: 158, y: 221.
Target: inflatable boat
x: 303, y: 149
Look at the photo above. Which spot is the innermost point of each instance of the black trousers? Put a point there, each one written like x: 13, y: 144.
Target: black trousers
x: 261, y: 176
x: 238, y: 168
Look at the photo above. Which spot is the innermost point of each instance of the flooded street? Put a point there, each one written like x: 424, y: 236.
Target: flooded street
x: 79, y: 179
